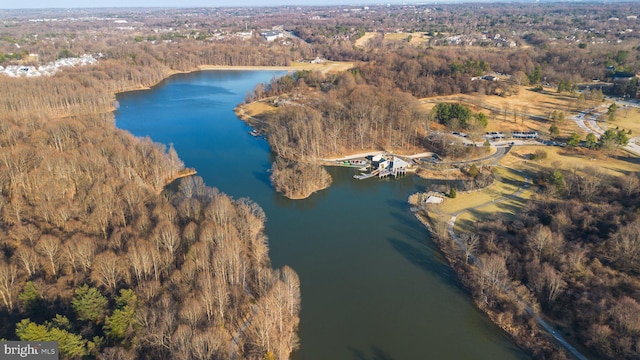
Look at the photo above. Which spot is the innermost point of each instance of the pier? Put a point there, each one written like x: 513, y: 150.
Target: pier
x: 381, y: 173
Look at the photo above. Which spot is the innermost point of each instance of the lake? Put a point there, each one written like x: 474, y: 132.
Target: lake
x: 373, y: 284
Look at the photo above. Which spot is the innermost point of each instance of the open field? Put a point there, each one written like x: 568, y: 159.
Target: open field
x: 417, y: 38
x: 365, y: 39
x: 510, y: 179
x: 324, y: 67
x: 507, y: 182
x: 257, y: 108
x: 627, y: 118
x: 532, y: 109
x: 581, y: 160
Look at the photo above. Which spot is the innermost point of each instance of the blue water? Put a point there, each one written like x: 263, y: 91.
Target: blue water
x: 373, y: 285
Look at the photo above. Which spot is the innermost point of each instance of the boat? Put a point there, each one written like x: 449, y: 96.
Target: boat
x: 357, y: 162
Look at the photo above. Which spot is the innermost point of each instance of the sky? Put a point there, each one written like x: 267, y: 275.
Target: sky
x: 38, y: 4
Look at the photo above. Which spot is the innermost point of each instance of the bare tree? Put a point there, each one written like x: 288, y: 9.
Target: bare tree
x: 85, y: 249
x: 493, y: 272
x: 50, y: 247
x: 470, y: 242
x: 539, y: 239
x: 29, y: 260
x: 625, y: 245
x: 626, y: 315
x: 192, y: 312
x: 167, y: 237
x: 8, y: 282
x: 550, y: 283
x: 107, y: 270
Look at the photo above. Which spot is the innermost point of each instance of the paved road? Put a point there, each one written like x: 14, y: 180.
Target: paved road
x: 587, y: 121
x: 495, y: 157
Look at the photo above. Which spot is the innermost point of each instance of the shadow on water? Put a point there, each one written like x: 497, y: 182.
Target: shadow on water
x: 263, y: 177
x: 398, y: 204
x: 306, y: 204
x: 376, y: 354
x: 422, y: 257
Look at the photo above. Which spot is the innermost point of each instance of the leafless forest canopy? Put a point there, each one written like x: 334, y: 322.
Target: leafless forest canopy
x: 96, y: 250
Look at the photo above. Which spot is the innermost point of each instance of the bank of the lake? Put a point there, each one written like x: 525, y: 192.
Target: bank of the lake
x: 373, y: 285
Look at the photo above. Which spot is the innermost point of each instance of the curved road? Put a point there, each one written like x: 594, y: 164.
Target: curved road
x: 590, y: 125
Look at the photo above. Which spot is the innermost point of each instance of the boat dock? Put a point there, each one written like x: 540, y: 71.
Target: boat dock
x: 366, y: 175
x: 381, y: 173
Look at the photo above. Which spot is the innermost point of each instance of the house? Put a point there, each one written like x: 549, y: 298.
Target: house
x: 398, y: 165
x: 433, y: 200
x: 272, y: 35
x: 622, y: 76
x: 490, y: 78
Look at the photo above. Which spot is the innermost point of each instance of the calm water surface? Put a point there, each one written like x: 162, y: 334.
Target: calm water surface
x: 373, y: 285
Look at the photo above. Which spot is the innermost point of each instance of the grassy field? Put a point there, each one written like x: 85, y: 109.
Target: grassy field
x: 581, y: 160
x: 531, y: 108
x: 417, y: 38
x: 627, y: 118
x: 324, y: 67
x: 364, y: 39
x: 258, y: 108
x: 510, y: 178
x: 508, y: 181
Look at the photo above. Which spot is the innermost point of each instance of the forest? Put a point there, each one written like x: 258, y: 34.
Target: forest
x: 572, y: 252
x: 101, y: 250
x: 336, y: 114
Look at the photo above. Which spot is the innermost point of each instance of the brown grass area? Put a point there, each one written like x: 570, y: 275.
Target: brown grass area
x: 325, y: 67
x: 258, y: 108
x: 627, y: 118
x: 526, y: 101
x: 582, y: 160
x: 449, y: 174
x: 510, y: 178
x: 417, y: 38
x: 365, y: 39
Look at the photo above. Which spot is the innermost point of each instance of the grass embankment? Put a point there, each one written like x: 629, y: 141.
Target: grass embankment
x: 258, y: 108
x: 496, y: 198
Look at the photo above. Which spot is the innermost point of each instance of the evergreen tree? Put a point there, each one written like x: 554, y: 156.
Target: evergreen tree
x: 89, y: 304
x: 574, y: 140
x: 119, y: 324
x: 591, y: 140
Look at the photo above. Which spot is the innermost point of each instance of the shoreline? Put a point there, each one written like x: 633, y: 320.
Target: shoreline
x: 245, y: 68
x: 425, y: 222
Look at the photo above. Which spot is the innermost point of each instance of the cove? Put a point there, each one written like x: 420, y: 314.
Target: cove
x: 373, y: 285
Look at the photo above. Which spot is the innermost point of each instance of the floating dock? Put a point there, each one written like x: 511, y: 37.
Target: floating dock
x: 381, y: 173
x: 363, y: 176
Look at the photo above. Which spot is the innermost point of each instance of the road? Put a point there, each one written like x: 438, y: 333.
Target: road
x: 545, y: 325
x: 587, y: 121
x: 495, y: 157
